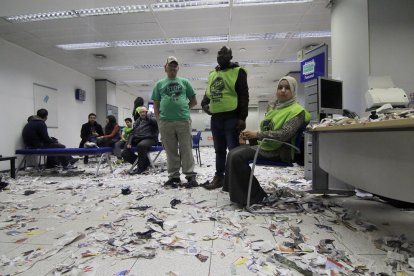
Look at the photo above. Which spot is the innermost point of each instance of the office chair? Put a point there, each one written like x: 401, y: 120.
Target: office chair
x: 258, y: 162
x: 196, y: 146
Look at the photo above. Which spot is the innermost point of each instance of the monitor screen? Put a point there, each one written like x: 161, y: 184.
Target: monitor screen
x: 151, y: 107
x: 330, y: 96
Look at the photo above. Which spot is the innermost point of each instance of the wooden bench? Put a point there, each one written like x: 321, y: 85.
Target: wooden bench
x: 104, y: 152
x: 12, y: 160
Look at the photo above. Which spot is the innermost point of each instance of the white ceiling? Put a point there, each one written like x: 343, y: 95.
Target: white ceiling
x: 42, y: 37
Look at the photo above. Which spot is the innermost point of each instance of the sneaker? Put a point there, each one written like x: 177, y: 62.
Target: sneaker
x: 69, y: 167
x: 90, y: 145
x: 172, y: 182
x: 270, y: 199
x: 3, y: 185
x: 136, y: 171
x: 73, y: 160
x: 216, y: 183
x: 191, y: 182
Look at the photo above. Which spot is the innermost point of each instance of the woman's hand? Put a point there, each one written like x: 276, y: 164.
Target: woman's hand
x: 248, y: 134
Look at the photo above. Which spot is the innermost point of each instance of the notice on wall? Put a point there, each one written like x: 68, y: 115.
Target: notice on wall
x: 46, y: 97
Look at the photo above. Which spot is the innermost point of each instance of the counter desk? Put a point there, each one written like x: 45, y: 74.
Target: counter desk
x: 377, y: 157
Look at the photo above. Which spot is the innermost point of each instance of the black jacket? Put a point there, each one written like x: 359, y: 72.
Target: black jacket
x: 144, y: 129
x: 35, y: 133
x: 87, y: 129
x: 242, y: 91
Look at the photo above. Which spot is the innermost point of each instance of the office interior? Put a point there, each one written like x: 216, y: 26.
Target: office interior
x: 364, y: 38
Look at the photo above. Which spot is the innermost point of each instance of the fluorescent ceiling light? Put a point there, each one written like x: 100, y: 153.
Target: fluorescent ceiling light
x: 197, y: 79
x: 311, y: 34
x: 82, y: 46
x: 113, y: 10
x: 198, y: 64
x: 117, y: 68
x: 41, y: 16
x: 267, y: 2
x: 199, y: 39
x: 165, y: 5
x: 258, y: 36
x: 193, y: 40
x: 140, y: 42
x: 161, y: 5
x: 195, y: 64
x: 77, y: 13
x: 136, y: 81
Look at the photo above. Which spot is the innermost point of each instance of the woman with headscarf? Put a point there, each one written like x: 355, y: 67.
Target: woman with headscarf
x: 282, y: 122
x: 111, y: 133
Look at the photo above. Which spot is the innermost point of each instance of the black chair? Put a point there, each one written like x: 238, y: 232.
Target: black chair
x: 196, y: 146
x: 297, y: 147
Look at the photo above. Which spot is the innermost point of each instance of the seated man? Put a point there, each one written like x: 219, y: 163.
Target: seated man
x: 143, y: 136
x: 89, y: 132
x: 35, y: 135
x: 124, y: 138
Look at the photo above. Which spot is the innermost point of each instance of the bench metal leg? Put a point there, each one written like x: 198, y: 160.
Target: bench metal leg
x: 135, y: 164
x: 99, y: 164
x: 106, y: 155
x: 108, y: 160
x: 13, y: 168
x: 20, y: 165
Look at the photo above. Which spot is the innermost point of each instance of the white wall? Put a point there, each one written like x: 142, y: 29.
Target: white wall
x: 391, y: 33
x: 350, y: 51
x: 125, y: 103
x: 19, y: 69
x: 372, y: 37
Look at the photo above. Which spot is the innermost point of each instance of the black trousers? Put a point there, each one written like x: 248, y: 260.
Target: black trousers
x: 56, y: 160
x: 142, y: 148
x: 236, y: 178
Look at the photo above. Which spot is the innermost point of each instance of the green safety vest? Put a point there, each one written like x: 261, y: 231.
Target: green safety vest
x: 221, y: 90
x: 276, y: 118
x: 126, y: 131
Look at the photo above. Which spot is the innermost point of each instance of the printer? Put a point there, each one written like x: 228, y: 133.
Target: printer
x: 381, y: 90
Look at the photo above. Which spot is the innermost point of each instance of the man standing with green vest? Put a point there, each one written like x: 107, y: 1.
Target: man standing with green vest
x: 173, y: 97
x: 226, y: 100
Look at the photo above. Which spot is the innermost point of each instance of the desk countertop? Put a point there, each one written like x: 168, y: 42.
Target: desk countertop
x: 382, y: 125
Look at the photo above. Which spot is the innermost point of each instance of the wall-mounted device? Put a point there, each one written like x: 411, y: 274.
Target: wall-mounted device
x: 80, y: 95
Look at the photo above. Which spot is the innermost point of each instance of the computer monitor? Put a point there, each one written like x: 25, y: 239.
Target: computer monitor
x: 329, y: 96
x: 151, y: 107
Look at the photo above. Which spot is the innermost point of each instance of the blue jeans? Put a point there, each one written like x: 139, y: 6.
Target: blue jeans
x: 225, y: 136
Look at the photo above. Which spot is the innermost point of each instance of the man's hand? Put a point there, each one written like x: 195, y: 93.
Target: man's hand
x: 206, y: 109
x: 248, y: 134
x: 241, y: 125
x: 128, y: 146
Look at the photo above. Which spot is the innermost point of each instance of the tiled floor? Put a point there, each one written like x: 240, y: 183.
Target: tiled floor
x: 203, y: 235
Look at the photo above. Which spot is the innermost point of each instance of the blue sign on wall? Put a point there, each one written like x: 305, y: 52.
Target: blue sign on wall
x: 312, y: 68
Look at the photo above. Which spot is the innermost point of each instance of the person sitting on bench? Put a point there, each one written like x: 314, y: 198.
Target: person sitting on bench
x: 111, y: 135
x: 89, y: 132
x: 143, y: 136
x: 119, y: 146
x: 35, y: 135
